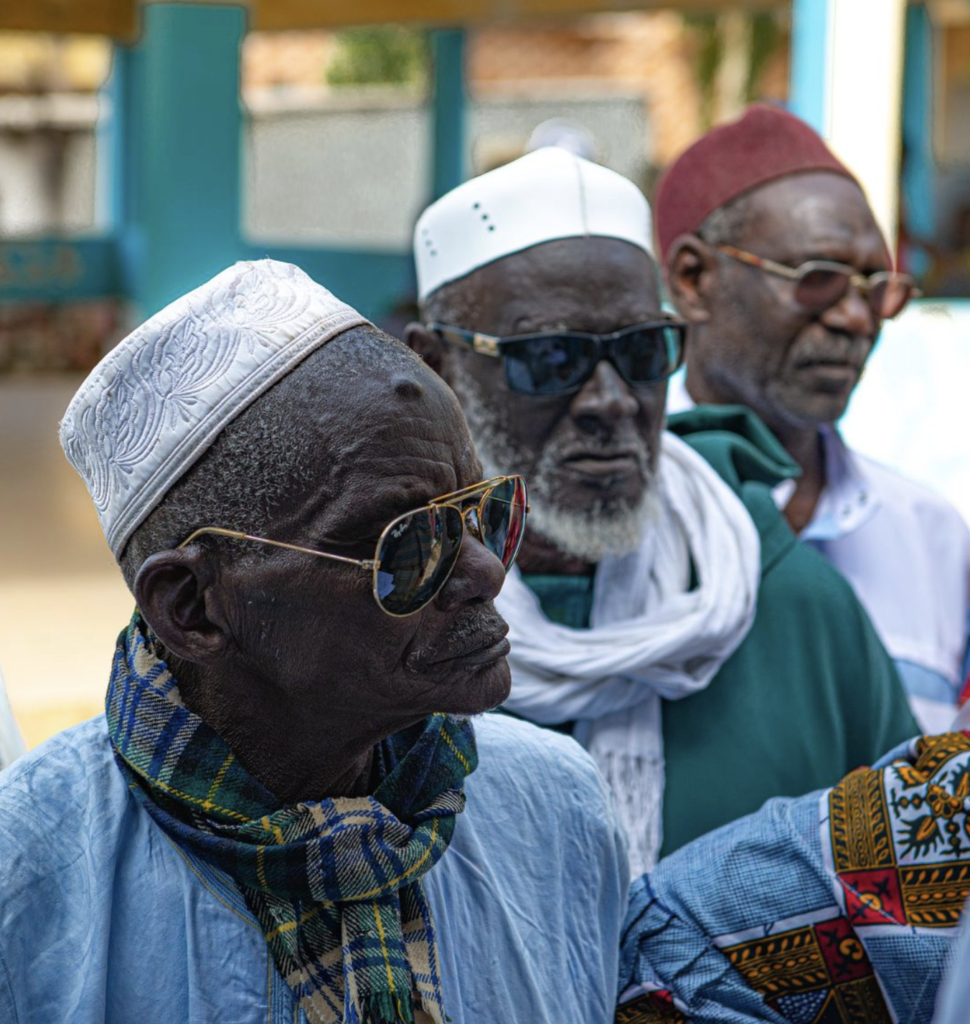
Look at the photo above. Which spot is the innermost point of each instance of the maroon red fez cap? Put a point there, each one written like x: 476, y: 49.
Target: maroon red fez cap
x: 765, y: 144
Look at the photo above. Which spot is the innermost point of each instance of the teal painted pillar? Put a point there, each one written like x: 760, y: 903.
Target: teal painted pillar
x: 177, y: 141
x: 448, y: 111
x: 919, y: 167
x: 810, y: 66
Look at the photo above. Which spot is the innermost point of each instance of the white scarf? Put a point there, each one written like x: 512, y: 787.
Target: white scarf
x: 650, y: 637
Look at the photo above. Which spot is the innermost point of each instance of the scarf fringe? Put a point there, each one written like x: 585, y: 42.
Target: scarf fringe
x: 386, y: 1008
x: 637, y: 785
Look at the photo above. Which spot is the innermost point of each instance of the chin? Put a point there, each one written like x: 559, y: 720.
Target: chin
x: 595, y: 529
x: 480, y: 690
x: 819, y: 410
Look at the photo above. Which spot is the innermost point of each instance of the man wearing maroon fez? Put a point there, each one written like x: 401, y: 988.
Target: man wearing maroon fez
x: 772, y: 254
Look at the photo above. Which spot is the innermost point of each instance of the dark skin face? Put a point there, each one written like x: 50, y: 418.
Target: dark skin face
x: 751, y: 342
x: 289, y: 656
x: 594, y: 285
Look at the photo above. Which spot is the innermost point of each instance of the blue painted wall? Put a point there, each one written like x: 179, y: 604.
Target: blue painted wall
x: 173, y: 199
x: 809, y: 91
x: 919, y: 167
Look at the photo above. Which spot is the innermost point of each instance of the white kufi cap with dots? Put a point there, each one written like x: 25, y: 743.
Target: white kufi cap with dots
x: 546, y: 195
x: 150, y: 409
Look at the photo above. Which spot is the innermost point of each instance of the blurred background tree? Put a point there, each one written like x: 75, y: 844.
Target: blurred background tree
x: 391, y: 55
x: 732, y: 52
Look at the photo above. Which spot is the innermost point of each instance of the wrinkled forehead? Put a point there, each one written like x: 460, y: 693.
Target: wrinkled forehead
x: 589, y: 283
x: 814, y: 209
x: 394, y: 440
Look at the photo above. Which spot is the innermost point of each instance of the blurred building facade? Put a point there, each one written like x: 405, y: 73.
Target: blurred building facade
x: 317, y: 154
x: 336, y: 160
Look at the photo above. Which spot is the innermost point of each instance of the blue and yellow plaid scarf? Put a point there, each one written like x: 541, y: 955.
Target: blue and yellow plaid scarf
x: 335, y: 884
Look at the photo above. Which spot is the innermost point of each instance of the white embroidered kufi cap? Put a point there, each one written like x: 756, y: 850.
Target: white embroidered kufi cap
x: 158, y: 400
x: 543, y: 196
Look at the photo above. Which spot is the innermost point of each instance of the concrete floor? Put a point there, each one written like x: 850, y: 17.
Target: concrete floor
x: 62, y: 599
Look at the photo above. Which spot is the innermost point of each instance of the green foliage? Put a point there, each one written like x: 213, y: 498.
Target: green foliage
x: 704, y: 27
x: 380, y: 56
x: 766, y: 36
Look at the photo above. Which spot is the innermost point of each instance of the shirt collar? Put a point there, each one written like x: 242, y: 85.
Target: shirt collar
x: 847, y: 500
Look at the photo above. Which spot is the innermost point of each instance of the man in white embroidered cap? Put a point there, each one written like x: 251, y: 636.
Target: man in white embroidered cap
x: 663, y: 613
x: 286, y: 812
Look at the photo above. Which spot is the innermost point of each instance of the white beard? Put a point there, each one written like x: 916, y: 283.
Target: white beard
x: 591, y: 533
x: 596, y: 531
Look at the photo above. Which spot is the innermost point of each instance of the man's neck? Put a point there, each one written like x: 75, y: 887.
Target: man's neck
x: 803, y: 444
x: 807, y: 448
x: 285, y: 751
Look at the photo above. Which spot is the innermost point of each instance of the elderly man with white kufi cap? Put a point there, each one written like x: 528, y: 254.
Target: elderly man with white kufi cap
x: 663, y: 613
x: 285, y: 813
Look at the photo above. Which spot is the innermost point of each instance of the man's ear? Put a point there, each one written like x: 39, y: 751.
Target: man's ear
x: 176, y: 593
x: 691, y: 266
x: 425, y: 344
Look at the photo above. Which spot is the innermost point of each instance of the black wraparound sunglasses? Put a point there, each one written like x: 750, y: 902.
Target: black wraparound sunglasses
x: 417, y: 551
x: 561, y: 362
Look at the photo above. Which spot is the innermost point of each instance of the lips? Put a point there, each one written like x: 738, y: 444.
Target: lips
x: 602, y: 462
x: 850, y: 364
x: 479, y: 648
x: 834, y: 367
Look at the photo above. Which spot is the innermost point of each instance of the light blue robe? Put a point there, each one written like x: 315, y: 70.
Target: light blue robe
x: 953, y: 1002
x: 104, y: 919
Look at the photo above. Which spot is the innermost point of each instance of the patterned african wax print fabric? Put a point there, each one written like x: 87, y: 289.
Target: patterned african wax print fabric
x: 834, y: 908
x: 335, y: 885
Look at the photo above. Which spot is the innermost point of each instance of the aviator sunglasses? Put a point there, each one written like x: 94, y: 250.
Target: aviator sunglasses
x: 820, y: 284
x: 417, y: 551
x: 561, y: 362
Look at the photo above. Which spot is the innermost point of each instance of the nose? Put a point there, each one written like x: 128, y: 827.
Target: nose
x: 852, y: 314
x: 477, y: 577
x: 605, y: 397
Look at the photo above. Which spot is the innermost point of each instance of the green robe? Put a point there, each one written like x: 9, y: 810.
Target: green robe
x: 809, y: 695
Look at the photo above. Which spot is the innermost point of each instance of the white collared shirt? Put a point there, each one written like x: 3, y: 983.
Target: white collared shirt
x: 906, y: 552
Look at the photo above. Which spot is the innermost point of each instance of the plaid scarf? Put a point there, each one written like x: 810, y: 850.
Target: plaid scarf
x: 335, y: 885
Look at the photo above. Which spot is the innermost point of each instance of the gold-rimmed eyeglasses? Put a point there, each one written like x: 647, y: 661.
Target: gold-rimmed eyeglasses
x: 417, y: 552
x: 820, y: 284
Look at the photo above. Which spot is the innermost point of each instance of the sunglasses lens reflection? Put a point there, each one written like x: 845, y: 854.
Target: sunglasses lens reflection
x: 558, y: 364
x: 548, y: 365
x: 416, y: 556
x: 651, y: 355
x: 819, y: 289
x: 893, y: 294
x: 503, y: 519
x: 886, y: 294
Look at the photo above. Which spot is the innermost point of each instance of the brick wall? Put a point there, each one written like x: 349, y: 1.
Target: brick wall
x: 649, y: 53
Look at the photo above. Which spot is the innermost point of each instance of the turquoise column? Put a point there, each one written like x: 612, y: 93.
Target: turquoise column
x: 448, y: 111
x: 919, y: 166
x: 178, y: 140
x: 175, y: 153
x: 810, y: 65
